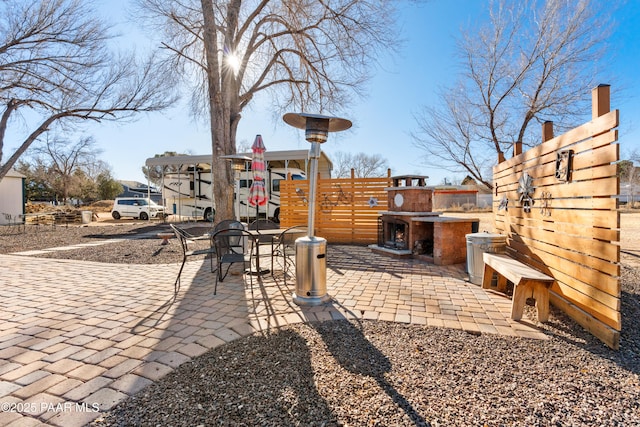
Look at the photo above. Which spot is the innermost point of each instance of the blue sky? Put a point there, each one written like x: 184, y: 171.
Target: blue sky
x: 382, y: 122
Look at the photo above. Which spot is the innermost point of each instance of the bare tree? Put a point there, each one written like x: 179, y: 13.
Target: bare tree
x: 55, y: 65
x: 307, y: 55
x: 364, y: 165
x: 535, y: 61
x: 67, y: 162
x: 626, y: 171
x: 634, y: 157
x: 629, y: 177
x: 95, y: 167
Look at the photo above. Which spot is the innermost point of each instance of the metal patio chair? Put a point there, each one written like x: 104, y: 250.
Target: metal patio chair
x: 265, y: 240
x: 233, y: 246
x: 285, y: 246
x: 228, y: 223
x: 186, y: 239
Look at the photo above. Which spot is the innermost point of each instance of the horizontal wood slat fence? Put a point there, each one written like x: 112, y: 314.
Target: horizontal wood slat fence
x: 347, y: 209
x: 570, y: 227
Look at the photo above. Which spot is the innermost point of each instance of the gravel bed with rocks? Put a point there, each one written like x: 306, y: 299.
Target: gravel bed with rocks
x: 137, y: 244
x: 377, y: 373
x: 342, y: 373
x: 366, y: 373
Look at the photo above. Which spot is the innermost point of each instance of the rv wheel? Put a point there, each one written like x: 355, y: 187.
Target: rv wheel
x: 208, y: 215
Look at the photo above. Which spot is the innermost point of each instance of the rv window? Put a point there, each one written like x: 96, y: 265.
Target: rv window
x: 296, y: 176
x: 275, y: 185
x: 245, y: 183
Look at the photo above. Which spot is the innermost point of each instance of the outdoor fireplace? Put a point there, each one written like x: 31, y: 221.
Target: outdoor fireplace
x: 404, y: 235
x: 411, y: 229
x: 397, y: 231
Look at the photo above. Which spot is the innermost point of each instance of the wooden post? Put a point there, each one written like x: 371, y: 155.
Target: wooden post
x: 517, y: 148
x: 600, y: 100
x: 547, y: 131
x: 500, y: 157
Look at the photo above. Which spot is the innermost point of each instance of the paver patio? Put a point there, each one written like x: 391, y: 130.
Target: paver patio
x: 78, y: 337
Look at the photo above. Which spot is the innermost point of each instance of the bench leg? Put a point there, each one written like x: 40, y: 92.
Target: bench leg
x: 521, y: 291
x: 539, y: 292
x: 487, y: 276
x: 541, y: 295
x: 502, y: 283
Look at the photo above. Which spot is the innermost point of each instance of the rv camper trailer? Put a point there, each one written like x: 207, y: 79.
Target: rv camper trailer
x: 189, y: 193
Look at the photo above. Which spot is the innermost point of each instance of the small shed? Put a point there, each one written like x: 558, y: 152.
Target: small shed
x: 12, y: 197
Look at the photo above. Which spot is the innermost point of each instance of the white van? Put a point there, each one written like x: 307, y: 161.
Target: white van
x: 136, y: 207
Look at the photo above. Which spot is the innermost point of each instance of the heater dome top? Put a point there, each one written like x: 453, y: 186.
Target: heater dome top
x: 303, y: 120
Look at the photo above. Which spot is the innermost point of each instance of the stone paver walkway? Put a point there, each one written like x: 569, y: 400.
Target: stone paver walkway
x: 78, y: 337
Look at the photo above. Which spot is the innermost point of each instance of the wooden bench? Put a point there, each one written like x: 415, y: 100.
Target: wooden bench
x: 527, y: 283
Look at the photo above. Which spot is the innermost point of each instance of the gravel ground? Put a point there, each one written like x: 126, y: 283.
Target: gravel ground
x: 141, y: 244
x: 376, y: 373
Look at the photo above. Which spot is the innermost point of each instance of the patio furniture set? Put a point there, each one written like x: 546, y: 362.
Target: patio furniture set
x: 231, y: 242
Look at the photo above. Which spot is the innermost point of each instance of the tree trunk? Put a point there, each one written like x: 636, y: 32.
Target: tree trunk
x: 221, y: 176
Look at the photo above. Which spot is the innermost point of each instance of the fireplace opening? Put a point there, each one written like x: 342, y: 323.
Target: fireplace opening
x: 395, y: 235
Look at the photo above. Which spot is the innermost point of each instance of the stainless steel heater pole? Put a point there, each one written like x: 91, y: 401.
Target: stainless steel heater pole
x: 314, y: 155
x: 311, y: 251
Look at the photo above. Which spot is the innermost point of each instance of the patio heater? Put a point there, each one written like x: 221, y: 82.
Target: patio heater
x: 238, y: 164
x: 311, y: 259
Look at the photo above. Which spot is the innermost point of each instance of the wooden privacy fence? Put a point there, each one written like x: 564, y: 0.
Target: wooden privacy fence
x: 556, y: 203
x: 347, y: 209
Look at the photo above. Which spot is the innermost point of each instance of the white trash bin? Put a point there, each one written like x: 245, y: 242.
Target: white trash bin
x: 477, y: 244
x: 87, y: 216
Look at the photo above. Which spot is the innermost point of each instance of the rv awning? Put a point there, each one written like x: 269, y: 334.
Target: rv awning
x: 178, y: 160
x: 276, y: 159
